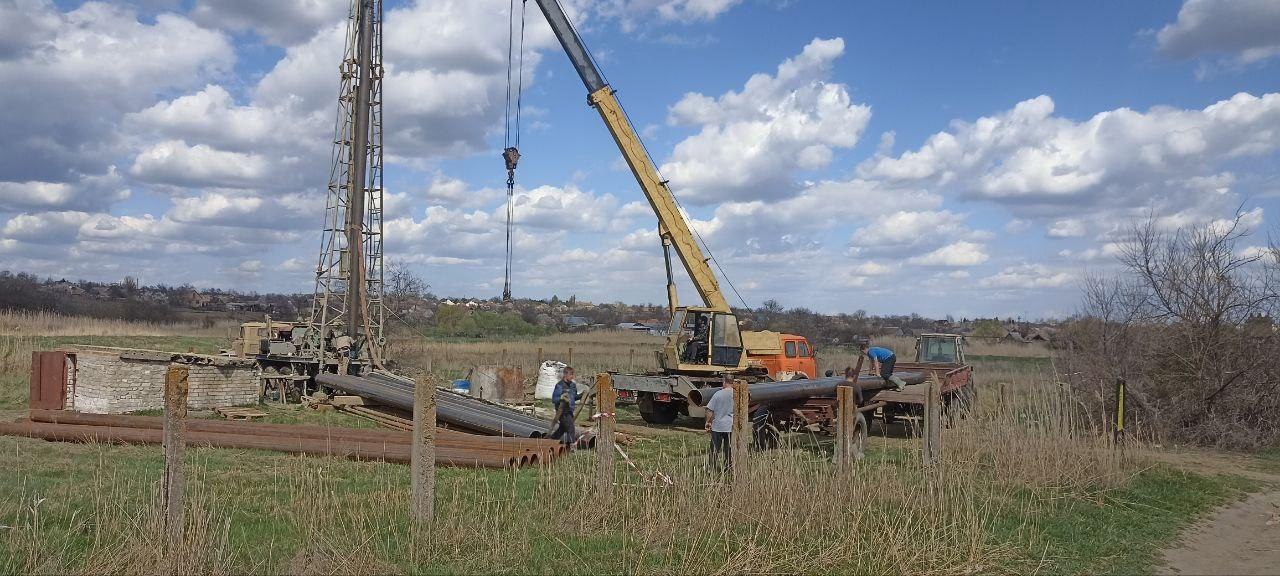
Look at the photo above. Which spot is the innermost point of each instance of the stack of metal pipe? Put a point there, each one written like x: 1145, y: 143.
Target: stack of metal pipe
x: 453, y: 448
x: 456, y: 410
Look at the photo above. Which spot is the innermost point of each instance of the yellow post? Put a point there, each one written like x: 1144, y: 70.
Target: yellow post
x: 1118, y: 436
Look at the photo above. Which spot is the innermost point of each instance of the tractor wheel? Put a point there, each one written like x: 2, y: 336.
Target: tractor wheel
x: 960, y: 403
x: 655, y: 412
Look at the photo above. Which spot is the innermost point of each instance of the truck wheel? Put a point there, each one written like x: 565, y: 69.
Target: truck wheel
x: 655, y: 412
x: 860, y: 437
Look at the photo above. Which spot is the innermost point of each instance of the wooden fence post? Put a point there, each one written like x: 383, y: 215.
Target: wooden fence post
x: 423, y: 459
x: 846, y: 414
x: 175, y: 443
x: 932, y: 423
x: 741, y: 436
x: 631, y: 360
x: 605, y: 403
x: 570, y: 360
x: 539, y: 366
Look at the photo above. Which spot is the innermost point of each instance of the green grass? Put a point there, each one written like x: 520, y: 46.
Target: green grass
x: 197, y: 344
x: 1120, y: 531
x: 263, y: 501
x: 1117, y: 531
x: 1269, y: 460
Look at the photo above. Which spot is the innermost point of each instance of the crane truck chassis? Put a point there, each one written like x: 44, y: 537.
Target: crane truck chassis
x: 661, y: 399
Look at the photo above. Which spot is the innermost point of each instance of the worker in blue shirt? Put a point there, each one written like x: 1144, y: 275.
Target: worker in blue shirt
x: 565, y: 395
x: 882, y: 361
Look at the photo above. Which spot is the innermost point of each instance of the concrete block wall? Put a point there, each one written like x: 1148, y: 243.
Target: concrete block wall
x: 105, y: 383
x: 213, y: 386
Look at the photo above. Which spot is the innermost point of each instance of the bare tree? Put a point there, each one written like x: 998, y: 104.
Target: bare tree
x: 1188, y: 324
x: 405, y: 291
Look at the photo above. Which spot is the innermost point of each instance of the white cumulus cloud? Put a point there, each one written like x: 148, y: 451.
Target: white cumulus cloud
x: 1249, y: 30
x: 956, y: 254
x: 752, y: 142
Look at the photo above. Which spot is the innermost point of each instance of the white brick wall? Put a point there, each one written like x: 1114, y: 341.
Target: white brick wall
x: 105, y: 383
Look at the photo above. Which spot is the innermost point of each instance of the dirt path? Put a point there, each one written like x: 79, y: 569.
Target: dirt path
x: 1240, y: 538
x: 1243, y: 538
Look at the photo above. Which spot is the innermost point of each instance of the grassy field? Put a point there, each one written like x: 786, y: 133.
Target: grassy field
x: 1023, y: 486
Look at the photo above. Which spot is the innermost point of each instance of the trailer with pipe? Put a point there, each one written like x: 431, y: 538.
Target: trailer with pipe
x: 939, y: 357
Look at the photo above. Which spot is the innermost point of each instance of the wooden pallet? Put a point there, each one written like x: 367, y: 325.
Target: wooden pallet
x: 236, y: 413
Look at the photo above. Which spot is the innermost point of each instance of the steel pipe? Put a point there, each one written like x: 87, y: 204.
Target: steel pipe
x: 398, y: 453
x: 444, y: 438
x: 769, y: 392
x: 451, y: 408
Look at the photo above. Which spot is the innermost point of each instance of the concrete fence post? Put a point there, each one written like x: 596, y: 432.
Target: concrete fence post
x: 423, y: 459
x: 175, y: 443
x: 605, y: 404
x: 932, y: 423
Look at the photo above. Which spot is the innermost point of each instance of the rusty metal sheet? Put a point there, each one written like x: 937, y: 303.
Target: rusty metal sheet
x: 48, y: 380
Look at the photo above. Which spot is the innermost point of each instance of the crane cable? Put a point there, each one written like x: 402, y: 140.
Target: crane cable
x: 511, y: 140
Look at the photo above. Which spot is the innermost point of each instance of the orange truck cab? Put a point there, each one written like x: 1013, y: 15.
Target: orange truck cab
x: 781, y: 356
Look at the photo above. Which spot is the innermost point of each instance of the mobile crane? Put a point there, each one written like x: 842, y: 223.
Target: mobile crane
x: 703, y: 342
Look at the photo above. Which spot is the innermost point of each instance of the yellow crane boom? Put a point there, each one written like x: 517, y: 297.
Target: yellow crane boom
x: 672, y: 226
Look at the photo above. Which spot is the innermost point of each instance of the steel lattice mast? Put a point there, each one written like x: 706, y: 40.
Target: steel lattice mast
x: 349, y: 279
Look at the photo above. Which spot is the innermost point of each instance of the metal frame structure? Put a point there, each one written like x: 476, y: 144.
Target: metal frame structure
x: 348, y: 294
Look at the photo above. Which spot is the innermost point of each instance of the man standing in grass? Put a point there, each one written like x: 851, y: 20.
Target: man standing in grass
x: 882, y: 361
x: 720, y: 422
x: 565, y: 395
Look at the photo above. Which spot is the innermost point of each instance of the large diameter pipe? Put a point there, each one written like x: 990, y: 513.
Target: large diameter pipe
x: 452, y: 409
x: 444, y: 439
x: 768, y: 392
x: 397, y: 453
x: 453, y: 398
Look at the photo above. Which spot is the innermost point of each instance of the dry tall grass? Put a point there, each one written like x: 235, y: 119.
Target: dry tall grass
x: 592, y: 352
x: 15, y: 323
x: 793, y: 513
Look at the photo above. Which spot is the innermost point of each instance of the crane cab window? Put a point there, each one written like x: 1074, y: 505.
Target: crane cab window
x: 804, y: 349
x: 790, y: 348
x: 726, y: 341
x: 695, y: 333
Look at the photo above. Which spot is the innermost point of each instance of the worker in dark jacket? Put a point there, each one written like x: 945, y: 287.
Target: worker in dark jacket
x: 882, y: 362
x: 565, y: 395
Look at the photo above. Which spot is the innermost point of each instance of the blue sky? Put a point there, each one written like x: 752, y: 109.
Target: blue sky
x: 955, y: 158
